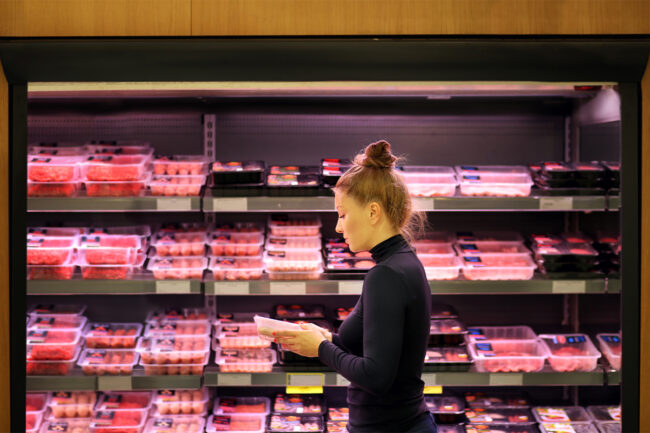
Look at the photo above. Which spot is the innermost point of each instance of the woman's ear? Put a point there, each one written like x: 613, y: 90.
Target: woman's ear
x: 374, y: 212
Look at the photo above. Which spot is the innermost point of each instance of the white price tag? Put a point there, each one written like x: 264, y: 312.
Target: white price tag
x: 350, y: 287
x: 341, y: 381
x: 423, y: 203
x: 569, y: 286
x: 230, y: 204
x: 507, y: 379
x: 235, y: 379
x: 231, y: 288
x: 173, y: 287
x: 305, y: 379
x: 114, y: 383
x: 556, y: 203
x: 430, y: 379
x: 174, y: 203
x: 288, y: 288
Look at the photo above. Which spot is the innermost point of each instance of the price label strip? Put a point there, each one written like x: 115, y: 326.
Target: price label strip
x: 174, y: 204
x: 172, y: 287
x: 305, y: 383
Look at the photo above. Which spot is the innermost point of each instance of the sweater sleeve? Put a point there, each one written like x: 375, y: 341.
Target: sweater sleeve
x: 383, y: 327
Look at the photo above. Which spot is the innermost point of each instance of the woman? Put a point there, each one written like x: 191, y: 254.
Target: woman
x: 381, y: 346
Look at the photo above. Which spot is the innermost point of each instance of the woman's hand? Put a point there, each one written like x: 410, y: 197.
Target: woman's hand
x: 304, y: 342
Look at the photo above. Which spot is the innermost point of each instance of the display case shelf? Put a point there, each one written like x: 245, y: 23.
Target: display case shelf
x: 144, y: 285
x: 114, y: 204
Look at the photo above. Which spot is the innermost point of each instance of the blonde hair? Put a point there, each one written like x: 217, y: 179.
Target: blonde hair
x: 373, y: 177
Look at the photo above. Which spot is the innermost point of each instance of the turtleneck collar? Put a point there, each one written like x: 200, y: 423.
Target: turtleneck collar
x: 385, y: 248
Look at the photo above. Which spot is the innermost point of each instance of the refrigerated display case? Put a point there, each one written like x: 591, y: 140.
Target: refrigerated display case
x: 512, y: 103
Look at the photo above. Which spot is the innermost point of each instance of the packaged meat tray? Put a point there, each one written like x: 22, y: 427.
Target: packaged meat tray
x: 490, y: 247
x: 484, y: 415
x: 446, y: 332
x: 508, y: 356
x: 337, y: 264
x: 71, y: 323
x: 611, y: 345
x: 478, y: 333
x: 577, y: 238
x: 293, y: 169
x: 113, y: 362
x: 50, y: 368
x: 53, y: 168
x: 36, y: 402
x: 332, y: 169
x: 245, y: 360
x: 294, y: 275
x: 303, y: 404
x: 33, y: 422
x: 78, y: 425
x: 294, y: 225
x: 49, y: 250
x: 499, y: 267
x: 447, y: 409
x: 502, y: 428
x: 112, y: 335
x: 509, y: 181
x: 339, y: 427
x: 293, y: 260
x: 110, y: 271
x: 75, y: 404
x: 52, y: 344
x: 342, y: 313
x: 289, y: 180
x: 570, y: 352
x: 55, y: 232
x: 64, y: 271
x: 115, y: 168
x: 566, y: 170
x: 244, y: 423
x: 118, y: 421
x: 53, y: 189
x: 174, y: 369
x: 295, y: 423
x: 237, y: 172
x: 493, y: 399
x: 563, y: 253
x: 176, y: 424
x: 605, y: 413
x: 238, y: 227
x: 434, y: 237
x: 114, y: 188
x: 284, y: 243
x: 100, y: 149
x: 177, y: 268
x: 566, y: 427
x: 127, y: 400
x: 487, y: 236
x: 424, y: 248
x: 180, y: 186
x: 180, y: 165
x: 430, y: 181
x: 338, y: 413
x: 448, y: 358
x: 443, y: 311
x: 179, y: 314
x: 173, y: 349
x: 501, y: 169
x: 171, y: 328
x: 236, y: 268
x: 58, y: 310
x: 242, y: 405
x: 143, y: 231
x: 440, y: 267
x: 240, y: 336
x: 181, y: 402
x: 296, y: 311
x: 179, y: 244
x: 236, y: 244
x: 226, y: 317
x: 105, y: 249
x: 546, y: 239
x: 573, y: 414
x: 609, y: 427
x: 266, y: 324
x: 56, y: 149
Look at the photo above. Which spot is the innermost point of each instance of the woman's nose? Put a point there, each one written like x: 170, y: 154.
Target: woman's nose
x: 339, y: 229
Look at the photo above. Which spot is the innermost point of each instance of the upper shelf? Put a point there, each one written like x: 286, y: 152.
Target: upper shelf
x: 113, y: 204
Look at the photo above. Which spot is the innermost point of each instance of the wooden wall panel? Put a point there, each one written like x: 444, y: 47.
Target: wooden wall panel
x: 95, y: 17
x: 5, y: 391
x: 419, y: 17
x: 644, y: 401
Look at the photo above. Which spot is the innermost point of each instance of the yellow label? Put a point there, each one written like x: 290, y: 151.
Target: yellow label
x: 304, y: 389
x: 433, y: 389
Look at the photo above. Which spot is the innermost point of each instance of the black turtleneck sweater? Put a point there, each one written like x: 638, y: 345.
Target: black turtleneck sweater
x: 380, y: 347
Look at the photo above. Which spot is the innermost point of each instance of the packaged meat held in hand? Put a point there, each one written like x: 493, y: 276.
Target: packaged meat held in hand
x: 180, y: 165
x: 173, y: 349
x: 440, y: 267
x: 176, y: 424
x: 293, y: 260
x: 110, y: 271
x: 33, y: 422
x: 117, y: 421
x: 49, y: 250
x: 478, y: 333
x: 104, y: 249
x: 75, y: 404
x: 36, y: 401
x: 112, y: 335
x: 236, y: 268
x: 179, y: 243
x: 181, y: 402
x: 566, y: 427
x: 446, y: 408
x: 57, y: 310
x: 294, y: 225
x: 235, y: 423
x: 306, y: 404
x: 499, y: 267
x: 53, y: 168
x: 50, y: 368
x: 605, y: 413
x: 561, y: 414
x: 178, y: 328
x: 570, y: 352
x: 242, y: 405
x: 297, y: 311
x: 483, y: 415
x: 446, y: 332
x: 508, y: 355
x: 236, y: 244
x: 177, y: 268
x: 245, y: 360
x: 113, y: 362
x: 70, y: 323
x: 115, y: 168
x: 180, y: 186
x: 501, y: 428
x: 79, y: 425
x: 240, y: 336
x: 52, y: 344
x: 495, y: 399
x: 124, y: 400
x: 53, y: 189
x: 295, y: 423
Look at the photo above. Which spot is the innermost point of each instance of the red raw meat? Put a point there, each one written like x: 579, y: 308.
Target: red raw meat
x: 53, y: 173
x: 51, y: 190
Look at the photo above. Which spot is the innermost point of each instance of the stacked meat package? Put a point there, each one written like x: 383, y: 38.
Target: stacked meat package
x: 447, y: 350
x: 236, y: 251
x: 339, y: 258
x: 179, y: 252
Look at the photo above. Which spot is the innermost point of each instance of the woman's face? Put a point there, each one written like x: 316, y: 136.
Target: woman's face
x: 353, y: 222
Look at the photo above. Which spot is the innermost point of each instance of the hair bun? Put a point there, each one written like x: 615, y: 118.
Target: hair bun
x: 377, y: 155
